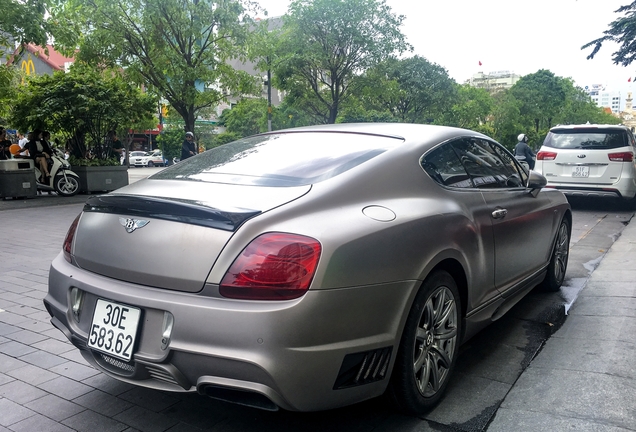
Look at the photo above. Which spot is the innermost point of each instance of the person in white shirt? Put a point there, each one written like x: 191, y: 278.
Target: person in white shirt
x: 22, y: 142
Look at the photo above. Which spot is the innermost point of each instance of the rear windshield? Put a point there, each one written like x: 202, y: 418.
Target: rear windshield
x: 288, y: 159
x: 586, y: 138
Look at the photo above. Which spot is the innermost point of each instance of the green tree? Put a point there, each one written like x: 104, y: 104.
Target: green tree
x: 507, y: 121
x: 247, y: 117
x: 413, y: 90
x: 325, y: 44
x: 579, y: 108
x: 178, y: 48
x: 472, y: 110
x: 541, y: 96
x: 24, y: 22
x: 82, y: 106
x: 621, y: 31
x: 9, y: 82
x: 170, y: 141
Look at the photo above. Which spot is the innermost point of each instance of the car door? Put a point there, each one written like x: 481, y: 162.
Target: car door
x: 522, y: 222
x: 443, y: 165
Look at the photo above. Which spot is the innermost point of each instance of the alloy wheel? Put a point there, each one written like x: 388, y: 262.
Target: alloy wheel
x: 435, y: 341
x: 561, y: 251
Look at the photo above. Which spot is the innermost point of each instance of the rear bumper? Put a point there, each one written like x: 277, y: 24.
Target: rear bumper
x: 289, y: 353
x: 624, y: 188
x: 588, y: 192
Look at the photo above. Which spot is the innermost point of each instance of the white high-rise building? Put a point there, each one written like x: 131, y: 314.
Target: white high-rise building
x: 606, y: 98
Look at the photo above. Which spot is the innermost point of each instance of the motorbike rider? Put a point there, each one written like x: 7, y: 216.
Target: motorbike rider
x: 189, y: 147
x: 41, y: 153
x: 523, y: 152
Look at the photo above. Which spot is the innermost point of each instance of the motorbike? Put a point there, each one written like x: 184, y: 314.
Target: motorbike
x: 62, y: 179
x: 522, y: 162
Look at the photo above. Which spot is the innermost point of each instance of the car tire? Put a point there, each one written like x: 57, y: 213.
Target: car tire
x: 559, y: 258
x: 150, y: 164
x: 429, y: 345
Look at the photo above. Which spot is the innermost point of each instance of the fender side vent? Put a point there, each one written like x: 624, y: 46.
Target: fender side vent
x: 363, y: 368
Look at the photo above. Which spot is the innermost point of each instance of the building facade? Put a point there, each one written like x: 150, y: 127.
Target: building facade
x: 605, y: 98
x: 36, y: 60
x: 494, y: 81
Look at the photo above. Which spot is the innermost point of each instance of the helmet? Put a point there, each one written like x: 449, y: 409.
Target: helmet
x: 522, y: 137
x: 189, y: 134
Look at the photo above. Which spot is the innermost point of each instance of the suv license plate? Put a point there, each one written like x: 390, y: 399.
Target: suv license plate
x: 114, y: 329
x: 581, y: 171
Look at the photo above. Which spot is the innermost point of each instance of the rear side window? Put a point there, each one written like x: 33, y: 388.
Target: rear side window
x: 488, y: 164
x: 587, y: 138
x: 473, y: 163
x: 443, y: 165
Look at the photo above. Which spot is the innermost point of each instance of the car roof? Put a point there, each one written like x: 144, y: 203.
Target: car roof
x: 406, y: 131
x: 589, y: 126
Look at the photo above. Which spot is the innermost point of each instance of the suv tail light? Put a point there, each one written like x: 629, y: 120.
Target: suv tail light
x: 274, y: 266
x: 68, y: 240
x: 545, y: 155
x: 621, y: 157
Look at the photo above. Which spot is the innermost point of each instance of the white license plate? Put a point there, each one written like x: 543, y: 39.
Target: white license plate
x: 581, y: 171
x: 114, y: 329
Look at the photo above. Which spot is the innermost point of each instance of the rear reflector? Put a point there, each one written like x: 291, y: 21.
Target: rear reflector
x: 274, y: 266
x: 544, y: 155
x: 621, y: 157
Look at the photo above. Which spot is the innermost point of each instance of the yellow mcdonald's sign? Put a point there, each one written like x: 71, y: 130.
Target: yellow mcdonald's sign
x: 28, y: 67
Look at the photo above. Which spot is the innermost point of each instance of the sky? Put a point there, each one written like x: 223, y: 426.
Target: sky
x: 510, y: 35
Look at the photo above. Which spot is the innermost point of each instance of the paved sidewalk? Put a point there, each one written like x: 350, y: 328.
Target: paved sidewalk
x: 584, y: 379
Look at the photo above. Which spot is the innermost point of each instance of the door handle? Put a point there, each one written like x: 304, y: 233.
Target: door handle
x: 499, y: 213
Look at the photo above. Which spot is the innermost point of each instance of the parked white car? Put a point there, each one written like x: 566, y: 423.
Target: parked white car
x: 145, y: 159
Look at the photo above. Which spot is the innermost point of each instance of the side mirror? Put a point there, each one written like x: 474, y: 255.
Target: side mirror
x: 536, y: 182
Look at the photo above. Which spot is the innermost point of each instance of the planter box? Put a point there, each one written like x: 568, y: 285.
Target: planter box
x: 101, y: 178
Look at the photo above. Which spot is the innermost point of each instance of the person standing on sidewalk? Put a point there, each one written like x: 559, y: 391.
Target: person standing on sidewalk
x: 5, y: 153
x: 189, y: 147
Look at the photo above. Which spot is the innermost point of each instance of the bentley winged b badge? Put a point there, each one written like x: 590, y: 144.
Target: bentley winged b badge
x: 132, y: 224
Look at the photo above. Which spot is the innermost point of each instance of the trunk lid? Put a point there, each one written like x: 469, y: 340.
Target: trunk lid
x: 162, y: 234
x: 583, y: 167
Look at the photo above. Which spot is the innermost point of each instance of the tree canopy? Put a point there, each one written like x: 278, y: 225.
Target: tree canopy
x: 82, y: 106
x: 24, y: 22
x: 177, y: 48
x: 623, y: 32
x: 325, y: 44
x: 413, y: 90
x: 541, y: 96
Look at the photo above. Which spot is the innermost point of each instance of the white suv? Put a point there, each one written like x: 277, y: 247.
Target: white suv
x: 589, y: 160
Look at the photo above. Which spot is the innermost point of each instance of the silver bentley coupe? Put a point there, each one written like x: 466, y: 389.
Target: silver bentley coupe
x: 310, y: 268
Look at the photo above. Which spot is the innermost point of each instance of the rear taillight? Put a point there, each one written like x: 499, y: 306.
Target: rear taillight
x: 621, y: 157
x: 68, y: 241
x: 545, y: 155
x: 274, y: 266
